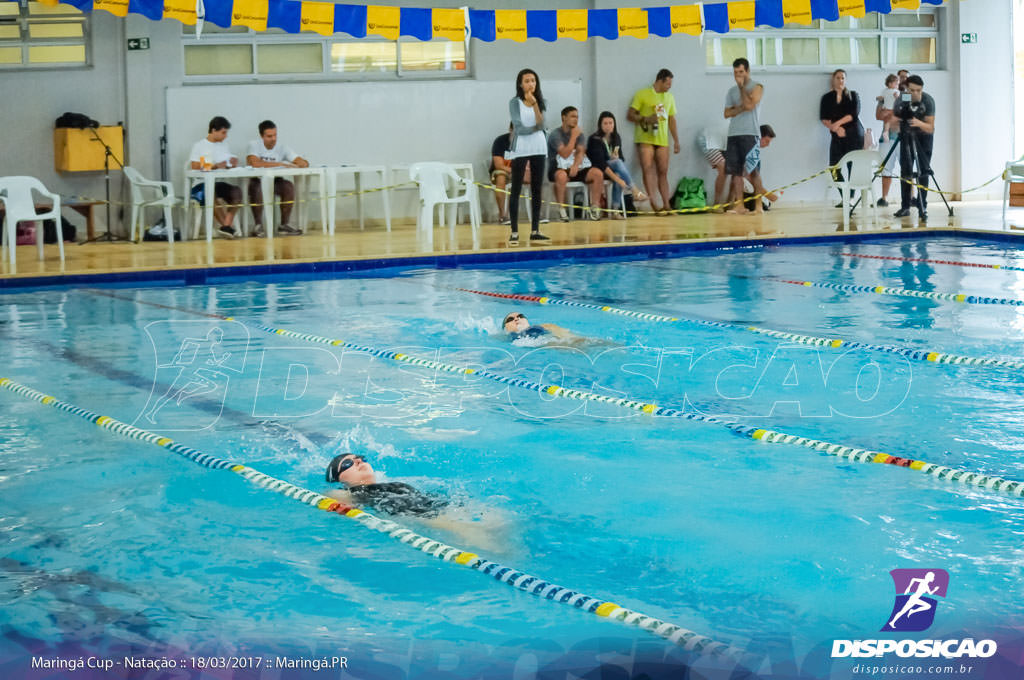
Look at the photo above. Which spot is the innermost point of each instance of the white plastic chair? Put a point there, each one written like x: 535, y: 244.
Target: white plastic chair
x: 20, y: 206
x: 859, y: 169
x: 161, y: 194
x: 433, y: 179
x: 608, y: 184
x: 570, y: 190
x: 1014, y: 173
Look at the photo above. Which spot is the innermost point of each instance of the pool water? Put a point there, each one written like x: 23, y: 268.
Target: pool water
x: 774, y: 548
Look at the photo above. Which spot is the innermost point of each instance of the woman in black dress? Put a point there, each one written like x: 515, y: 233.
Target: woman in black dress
x: 840, y: 113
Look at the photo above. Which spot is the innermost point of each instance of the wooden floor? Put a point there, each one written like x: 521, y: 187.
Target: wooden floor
x: 375, y: 242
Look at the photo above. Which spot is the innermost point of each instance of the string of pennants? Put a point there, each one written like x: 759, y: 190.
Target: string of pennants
x: 360, y: 21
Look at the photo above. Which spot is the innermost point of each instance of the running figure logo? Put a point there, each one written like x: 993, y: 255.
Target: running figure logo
x: 193, y: 369
x: 914, y: 609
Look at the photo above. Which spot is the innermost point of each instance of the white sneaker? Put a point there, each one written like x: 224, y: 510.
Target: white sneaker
x: 228, y: 232
x: 562, y: 215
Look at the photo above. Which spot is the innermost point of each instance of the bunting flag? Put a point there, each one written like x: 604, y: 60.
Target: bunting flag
x: 686, y: 19
x: 390, y: 22
x: 509, y: 24
x: 572, y: 23
x: 318, y: 17
x: 633, y: 22
x: 383, y: 21
x: 251, y: 13
x: 741, y: 15
x: 797, y: 12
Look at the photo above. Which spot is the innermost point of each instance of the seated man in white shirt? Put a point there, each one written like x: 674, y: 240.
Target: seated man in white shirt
x: 213, y: 153
x: 265, y: 152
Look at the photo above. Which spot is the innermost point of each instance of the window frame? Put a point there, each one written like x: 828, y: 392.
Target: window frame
x: 885, y: 36
x: 257, y: 38
x: 24, y: 18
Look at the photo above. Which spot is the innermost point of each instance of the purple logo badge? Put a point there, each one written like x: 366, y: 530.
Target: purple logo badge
x: 914, y: 609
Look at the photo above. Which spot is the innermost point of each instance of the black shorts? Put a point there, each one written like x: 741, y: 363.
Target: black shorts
x: 736, y: 150
x: 580, y: 176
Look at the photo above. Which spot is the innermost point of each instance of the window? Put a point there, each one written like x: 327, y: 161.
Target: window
x: 239, y: 54
x: 33, y: 35
x: 899, y: 39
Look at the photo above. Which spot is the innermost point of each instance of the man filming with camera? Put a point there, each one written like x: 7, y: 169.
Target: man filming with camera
x: 916, y: 113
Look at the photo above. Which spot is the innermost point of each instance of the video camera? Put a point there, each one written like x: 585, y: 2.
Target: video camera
x: 907, y: 108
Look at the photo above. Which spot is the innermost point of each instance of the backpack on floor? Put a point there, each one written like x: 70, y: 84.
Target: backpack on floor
x: 690, y: 194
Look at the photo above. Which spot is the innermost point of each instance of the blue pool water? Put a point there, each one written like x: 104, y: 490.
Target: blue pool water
x: 765, y: 546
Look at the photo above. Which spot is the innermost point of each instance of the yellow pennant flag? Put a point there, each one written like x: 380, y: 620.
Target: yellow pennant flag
x: 510, y: 24
x: 851, y: 8
x: 741, y: 15
x: 449, y: 23
x: 572, y: 23
x: 383, y: 21
x: 686, y: 19
x: 797, y: 12
x: 49, y: 3
x: 318, y: 17
x: 251, y: 13
x: 116, y: 7
x: 633, y: 22
x: 906, y: 4
x: 182, y: 10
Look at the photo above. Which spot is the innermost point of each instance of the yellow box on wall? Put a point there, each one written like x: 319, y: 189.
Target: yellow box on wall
x: 77, y: 150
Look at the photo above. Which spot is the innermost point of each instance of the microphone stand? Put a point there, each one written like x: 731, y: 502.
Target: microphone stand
x: 108, y: 153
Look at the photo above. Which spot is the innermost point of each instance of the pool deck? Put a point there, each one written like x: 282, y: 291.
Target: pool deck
x: 350, y: 249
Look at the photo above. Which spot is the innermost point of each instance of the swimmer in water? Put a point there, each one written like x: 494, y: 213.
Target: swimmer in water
x: 518, y: 327
x: 483, y: 529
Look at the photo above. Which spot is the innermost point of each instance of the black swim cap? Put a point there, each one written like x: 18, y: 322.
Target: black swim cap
x: 334, y: 467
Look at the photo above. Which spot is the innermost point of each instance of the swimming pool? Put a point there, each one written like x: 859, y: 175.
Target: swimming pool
x: 773, y: 548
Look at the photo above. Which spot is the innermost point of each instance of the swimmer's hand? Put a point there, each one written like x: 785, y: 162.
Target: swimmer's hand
x: 557, y: 331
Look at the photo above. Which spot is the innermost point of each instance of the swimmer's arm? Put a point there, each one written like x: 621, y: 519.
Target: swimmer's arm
x: 488, y: 532
x: 557, y: 331
x: 341, y: 495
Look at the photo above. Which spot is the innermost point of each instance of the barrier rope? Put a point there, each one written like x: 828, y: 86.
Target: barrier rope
x: 928, y: 261
x: 849, y: 453
x: 818, y: 341
x: 515, y: 578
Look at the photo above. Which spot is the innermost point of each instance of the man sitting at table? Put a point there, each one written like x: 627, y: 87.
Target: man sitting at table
x: 213, y: 153
x: 265, y: 152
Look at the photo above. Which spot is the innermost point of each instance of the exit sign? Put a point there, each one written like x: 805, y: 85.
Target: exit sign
x: 138, y: 43
x: 968, y: 38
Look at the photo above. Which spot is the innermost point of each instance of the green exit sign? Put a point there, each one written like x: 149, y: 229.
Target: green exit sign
x: 138, y: 43
x: 968, y: 38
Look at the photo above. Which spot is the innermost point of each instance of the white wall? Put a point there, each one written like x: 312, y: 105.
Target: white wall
x: 973, y: 95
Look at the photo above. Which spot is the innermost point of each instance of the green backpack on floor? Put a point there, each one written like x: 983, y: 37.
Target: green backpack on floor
x: 690, y: 194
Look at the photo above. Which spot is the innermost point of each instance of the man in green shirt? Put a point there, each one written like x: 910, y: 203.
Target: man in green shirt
x: 653, y: 110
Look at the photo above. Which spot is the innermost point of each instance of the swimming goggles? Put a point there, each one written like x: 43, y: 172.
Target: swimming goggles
x: 512, y: 317
x: 340, y: 464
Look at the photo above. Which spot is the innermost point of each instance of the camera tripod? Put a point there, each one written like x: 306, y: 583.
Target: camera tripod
x: 914, y: 150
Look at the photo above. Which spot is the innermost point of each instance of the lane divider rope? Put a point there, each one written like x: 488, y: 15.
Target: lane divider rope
x: 853, y: 454
x: 818, y: 341
x: 852, y: 288
x: 515, y: 578
x: 928, y: 261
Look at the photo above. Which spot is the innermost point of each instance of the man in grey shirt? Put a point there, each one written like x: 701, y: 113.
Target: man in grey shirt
x: 743, y: 109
